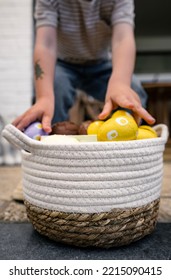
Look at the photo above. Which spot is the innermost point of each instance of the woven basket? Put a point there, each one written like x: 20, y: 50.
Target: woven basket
x: 92, y: 194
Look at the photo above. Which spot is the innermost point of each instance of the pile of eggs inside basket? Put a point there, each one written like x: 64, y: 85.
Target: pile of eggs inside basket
x: 121, y: 126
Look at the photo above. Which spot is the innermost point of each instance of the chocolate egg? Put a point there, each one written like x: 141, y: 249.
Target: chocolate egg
x: 83, y: 127
x: 35, y: 131
x: 65, y: 128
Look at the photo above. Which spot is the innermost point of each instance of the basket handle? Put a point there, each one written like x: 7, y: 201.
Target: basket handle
x: 162, y: 130
x: 17, y: 138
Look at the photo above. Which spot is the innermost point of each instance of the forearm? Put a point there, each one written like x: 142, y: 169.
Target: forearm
x: 119, y: 92
x: 44, y: 65
x: 123, y: 55
x: 45, y: 54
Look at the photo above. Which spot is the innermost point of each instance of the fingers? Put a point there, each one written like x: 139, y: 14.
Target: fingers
x: 110, y: 105
x: 132, y: 103
x: 107, y: 109
x: 38, y: 112
x: 25, y: 120
x: 46, y: 124
x: 140, y: 112
x: 137, y: 118
x: 22, y: 122
x: 17, y: 121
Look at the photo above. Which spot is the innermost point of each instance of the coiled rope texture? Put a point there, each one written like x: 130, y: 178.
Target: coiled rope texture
x: 92, y: 194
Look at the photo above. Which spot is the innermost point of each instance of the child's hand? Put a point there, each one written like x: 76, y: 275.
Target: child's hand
x: 42, y: 110
x: 122, y: 95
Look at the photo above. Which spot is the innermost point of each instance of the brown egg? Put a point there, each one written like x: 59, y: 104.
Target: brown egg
x: 83, y: 127
x: 65, y: 128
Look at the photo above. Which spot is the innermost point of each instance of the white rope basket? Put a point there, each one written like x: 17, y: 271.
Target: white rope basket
x: 91, y: 178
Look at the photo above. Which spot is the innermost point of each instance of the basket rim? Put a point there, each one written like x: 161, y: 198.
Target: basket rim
x: 19, y: 139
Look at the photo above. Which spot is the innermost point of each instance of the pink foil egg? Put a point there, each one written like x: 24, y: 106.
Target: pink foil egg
x: 35, y: 131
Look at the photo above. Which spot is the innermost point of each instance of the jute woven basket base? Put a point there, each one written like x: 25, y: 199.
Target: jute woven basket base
x: 108, y: 229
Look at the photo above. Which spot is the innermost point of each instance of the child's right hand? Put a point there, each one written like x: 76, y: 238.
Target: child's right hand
x: 42, y: 111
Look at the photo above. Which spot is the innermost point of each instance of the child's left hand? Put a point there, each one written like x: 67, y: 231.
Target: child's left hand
x: 121, y: 95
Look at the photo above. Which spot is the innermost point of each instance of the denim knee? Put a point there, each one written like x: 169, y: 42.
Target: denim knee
x: 64, y: 94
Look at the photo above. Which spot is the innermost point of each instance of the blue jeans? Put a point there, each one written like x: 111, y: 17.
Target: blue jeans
x: 92, y: 79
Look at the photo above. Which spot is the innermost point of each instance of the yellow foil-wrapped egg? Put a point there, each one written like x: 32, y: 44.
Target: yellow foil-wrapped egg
x: 121, y: 113
x: 118, y: 128
x: 145, y: 132
x: 94, y: 127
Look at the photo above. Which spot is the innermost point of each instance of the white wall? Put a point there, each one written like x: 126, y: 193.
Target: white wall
x: 16, y: 33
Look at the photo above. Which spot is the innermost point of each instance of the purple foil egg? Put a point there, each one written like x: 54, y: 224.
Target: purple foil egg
x: 35, y: 131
